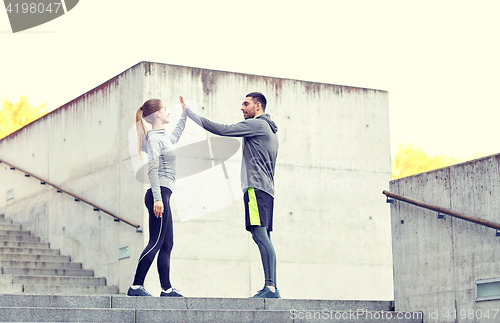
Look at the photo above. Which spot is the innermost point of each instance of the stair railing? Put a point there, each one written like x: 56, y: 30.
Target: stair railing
x: 77, y: 198
x: 442, y: 211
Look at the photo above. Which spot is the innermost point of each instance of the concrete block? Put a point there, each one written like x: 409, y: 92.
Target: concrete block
x: 192, y: 303
x: 40, y: 264
x: 250, y: 304
x: 70, y: 290
x: 356, y: 316
x: 148, y: 302
x: 29, y: 251
x: 35, y: 245
x: 211, y: 316
x: 17, y: 257
x: 5, y: 226
x: 55, y: 301
x: 9, y: 288
x: 57, y: 280
x: 15, y: 238
x: 46, y: 272
x: 333, y: 305
x: 27, y: 314
x: 14, y: 233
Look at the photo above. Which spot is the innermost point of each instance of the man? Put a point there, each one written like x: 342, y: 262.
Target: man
x: 260, y: 150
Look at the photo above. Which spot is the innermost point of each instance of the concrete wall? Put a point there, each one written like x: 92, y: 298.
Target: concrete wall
x: 79, y: 148
x: 332, y: 233
x: 436, y: 262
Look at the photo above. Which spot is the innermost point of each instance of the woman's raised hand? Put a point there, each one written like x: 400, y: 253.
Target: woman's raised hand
x: 183, y: 104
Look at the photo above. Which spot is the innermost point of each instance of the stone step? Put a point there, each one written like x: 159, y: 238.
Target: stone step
x: 186, y: 303
x: 41, y: 264
x: 59, y: 308
x: 29, y: 251
x: 53, y: 280
x: 45, y: 272
x: 57, y: 301
x: 10, y: 288
x: 14, y: 233
x: 9, y: 256
x: 8, y: 226
x: 17, y: 238
x: 4, y: 220
x: 44, y: 314
x: 20, y: 244
x: 70, y: 290
x: 195, y: 316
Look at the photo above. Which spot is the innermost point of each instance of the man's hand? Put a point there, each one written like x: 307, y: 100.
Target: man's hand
x: 184, y: 105
x: 158, y: 208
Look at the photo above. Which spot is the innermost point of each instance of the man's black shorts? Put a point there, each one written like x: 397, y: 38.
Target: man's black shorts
x: 258, y: 208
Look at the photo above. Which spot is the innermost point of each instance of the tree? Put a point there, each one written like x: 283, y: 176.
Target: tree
x: 410, y: 160
x: 14, y: 116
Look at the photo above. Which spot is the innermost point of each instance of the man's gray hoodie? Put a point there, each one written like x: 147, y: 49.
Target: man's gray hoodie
x: 260, y: 148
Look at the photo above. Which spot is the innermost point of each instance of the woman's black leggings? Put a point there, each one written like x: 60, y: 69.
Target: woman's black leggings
x: 161, y: 238
x: 262, y: 238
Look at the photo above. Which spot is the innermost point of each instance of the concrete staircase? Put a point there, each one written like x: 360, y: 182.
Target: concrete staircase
x: 37, y: 284
x: 29, y: 266
x: 111, y: 308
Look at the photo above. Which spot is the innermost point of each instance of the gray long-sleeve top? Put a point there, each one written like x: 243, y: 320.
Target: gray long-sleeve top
x: 162, y: 157
x: 260, y: 148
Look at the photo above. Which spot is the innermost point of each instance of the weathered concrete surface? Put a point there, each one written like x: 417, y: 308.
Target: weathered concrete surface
x: 436, y: 262
x: 332, y: 234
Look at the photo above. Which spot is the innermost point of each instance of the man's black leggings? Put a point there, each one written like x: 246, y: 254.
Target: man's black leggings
x: 262, y: 238
x: 161, y: 238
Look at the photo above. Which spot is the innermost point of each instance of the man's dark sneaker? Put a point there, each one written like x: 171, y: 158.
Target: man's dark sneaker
x: 267, y: 293
x: 141, y: 291
x: 172, y: 292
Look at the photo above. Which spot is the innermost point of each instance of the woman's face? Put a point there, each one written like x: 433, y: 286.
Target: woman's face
x: 164, y: 114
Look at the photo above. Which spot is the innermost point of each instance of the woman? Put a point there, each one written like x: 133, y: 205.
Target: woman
x: 161, y: 172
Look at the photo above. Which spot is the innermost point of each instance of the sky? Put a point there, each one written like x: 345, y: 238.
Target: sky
x: 439, y: 60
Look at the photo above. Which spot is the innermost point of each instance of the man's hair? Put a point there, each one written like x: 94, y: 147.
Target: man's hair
x: 258, y: 97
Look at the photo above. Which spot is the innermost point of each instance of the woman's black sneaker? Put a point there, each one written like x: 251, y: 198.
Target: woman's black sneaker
x: 172, y: 293
x: 267, y: 293
x: 141, y: 291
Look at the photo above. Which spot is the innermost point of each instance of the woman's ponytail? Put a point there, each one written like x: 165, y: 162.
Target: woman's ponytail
x: 140, y: 130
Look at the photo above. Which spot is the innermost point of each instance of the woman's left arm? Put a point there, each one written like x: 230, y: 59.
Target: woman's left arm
x: 179, y: 128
